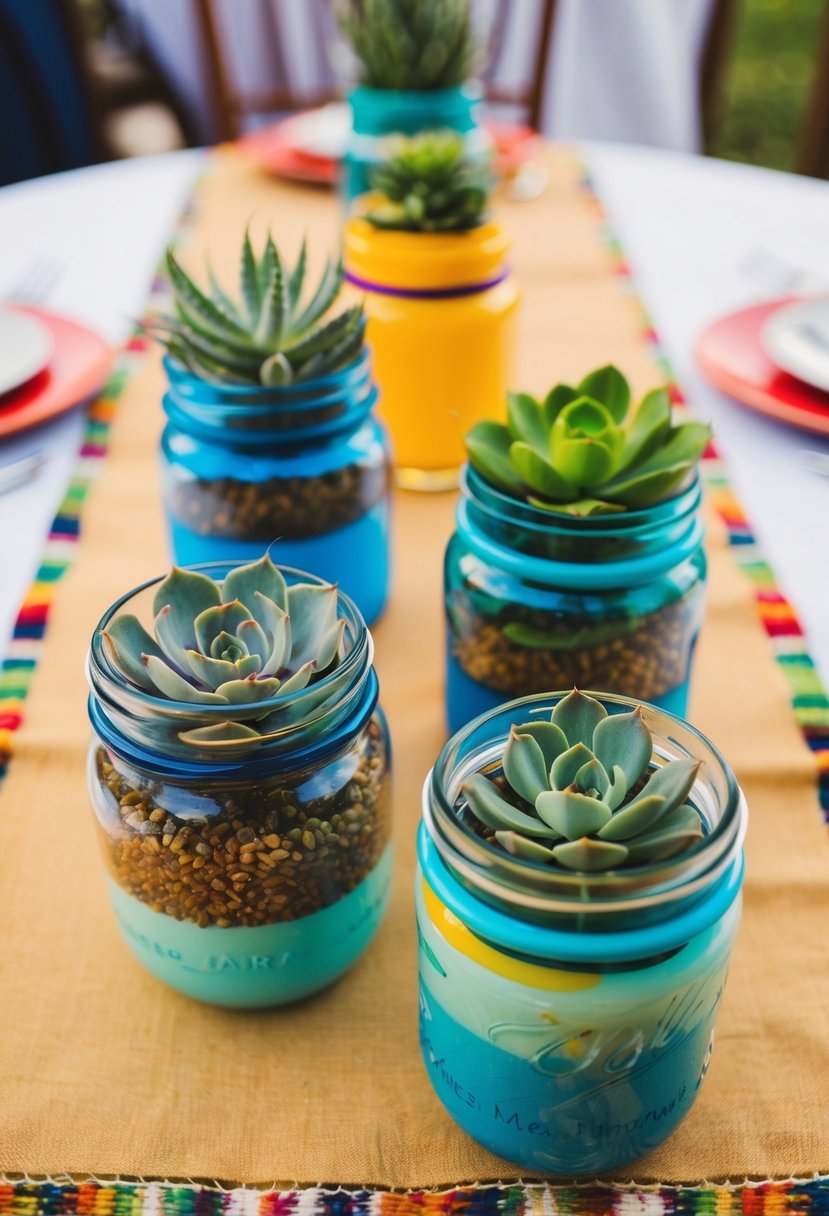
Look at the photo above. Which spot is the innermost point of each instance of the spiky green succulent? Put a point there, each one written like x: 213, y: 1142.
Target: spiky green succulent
x: 410, y: 44
x: 429, y: 184
x: 579, y: 796
x: 241, y: 641
x: 268, y: 336
x: 587, y: 450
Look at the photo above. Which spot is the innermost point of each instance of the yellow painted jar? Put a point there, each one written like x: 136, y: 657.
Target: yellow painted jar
x: 441, y: 324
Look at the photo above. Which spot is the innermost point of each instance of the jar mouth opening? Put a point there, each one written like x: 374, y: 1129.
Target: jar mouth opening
x: 114, y: 690
x: 683, y: 502
x: 539, y: 890
x: 345, y: 376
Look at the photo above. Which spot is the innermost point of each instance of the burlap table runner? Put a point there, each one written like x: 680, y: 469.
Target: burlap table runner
x: 104, y: 1070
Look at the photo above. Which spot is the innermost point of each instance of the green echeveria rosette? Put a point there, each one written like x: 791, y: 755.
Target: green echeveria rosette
x: 410, y: 45
x: 269, y: 336
x: 578, y: 794
x: 242, y: 648
x: 427, y: 183
x: 587, y: 450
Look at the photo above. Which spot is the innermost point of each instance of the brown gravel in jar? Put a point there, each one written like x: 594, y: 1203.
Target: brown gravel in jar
x: 289, y: 508
x: 646, y: 658
x: 264, y: 858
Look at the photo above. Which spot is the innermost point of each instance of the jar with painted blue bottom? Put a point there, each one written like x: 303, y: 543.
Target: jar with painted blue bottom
x: 303, y: 469
x: 536, y: 600
x: 567, y: 1019
x: 252, y: 871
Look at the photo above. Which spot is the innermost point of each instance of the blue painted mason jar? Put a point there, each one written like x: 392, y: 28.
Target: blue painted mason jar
x: 243, y: 876
x: 377, y: 113
x: 304, y: 470
x: 567, y: 1019
x: 536, y: 601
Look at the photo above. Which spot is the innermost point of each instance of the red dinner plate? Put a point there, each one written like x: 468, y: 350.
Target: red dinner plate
x: 731, y: 355
x: 77, y: 369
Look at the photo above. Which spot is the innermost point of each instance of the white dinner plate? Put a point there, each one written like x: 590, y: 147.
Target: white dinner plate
x: 26, y: 347
x: 796, y: 338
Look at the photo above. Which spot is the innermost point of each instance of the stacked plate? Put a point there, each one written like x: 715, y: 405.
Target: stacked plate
x: 774, y: 357
x: 48, y: 364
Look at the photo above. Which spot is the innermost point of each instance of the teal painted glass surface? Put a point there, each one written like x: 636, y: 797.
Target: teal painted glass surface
x: 567, y: 1020
x: 303, y: 470
x: 252, y: 874
x: 537, y: 602
x: 378, y: 113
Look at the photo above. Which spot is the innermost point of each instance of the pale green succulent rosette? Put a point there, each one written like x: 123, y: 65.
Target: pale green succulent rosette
x: 248, y: 642
x: 429, y: 184
x: 410, y: 44
x: 581, y: 792
x: 268, y: 336
x: 587, y: 450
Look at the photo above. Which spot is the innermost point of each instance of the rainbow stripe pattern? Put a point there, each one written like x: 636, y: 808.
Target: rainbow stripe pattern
x: 790, y: 1198
x: 28, y: 634
x: 806, y: 690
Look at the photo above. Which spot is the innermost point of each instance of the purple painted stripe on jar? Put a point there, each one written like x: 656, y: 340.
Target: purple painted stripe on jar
x: 434, y: 293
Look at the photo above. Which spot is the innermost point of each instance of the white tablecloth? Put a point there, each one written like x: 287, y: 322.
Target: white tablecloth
x: 698, y: 234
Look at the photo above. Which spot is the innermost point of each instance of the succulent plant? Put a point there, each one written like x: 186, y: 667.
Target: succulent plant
x: 587, y: 450
x: 428, y: 184
x: 245, y: 640
x: 410, y: 44
x: 575, y: 797
x: 268, y: 337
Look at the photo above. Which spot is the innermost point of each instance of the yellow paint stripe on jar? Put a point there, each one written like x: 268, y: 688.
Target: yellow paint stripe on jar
x: 455, y: 932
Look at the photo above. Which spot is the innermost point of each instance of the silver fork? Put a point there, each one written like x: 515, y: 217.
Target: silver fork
x: 36, y: 282
x: 17, y: 472
x: 777, y: 275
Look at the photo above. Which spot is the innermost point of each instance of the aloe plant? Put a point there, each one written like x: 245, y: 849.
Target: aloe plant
x: 268, y: 336
x: 410, y: 44
x: 428, y: 184
x: 581, y: 792
x: 587, y: 450
x: 246, y: 640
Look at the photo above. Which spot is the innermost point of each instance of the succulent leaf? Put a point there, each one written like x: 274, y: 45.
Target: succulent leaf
x: 591, y: 800
x: 406, y: 44
x: 270, y: 337
x: 428, y: 184
x: 587, y: 450
x: 524, y: 766
x: 212, y: 648
x: 578, y: 716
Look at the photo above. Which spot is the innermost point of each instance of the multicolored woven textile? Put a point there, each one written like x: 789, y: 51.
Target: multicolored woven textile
x: 792, y: 1198
x: 808, y: 694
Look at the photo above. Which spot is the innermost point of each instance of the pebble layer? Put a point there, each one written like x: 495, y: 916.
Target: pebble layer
x: 264, y: 857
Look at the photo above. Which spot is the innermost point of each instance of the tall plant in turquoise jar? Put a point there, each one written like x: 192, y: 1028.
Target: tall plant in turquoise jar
x: 578, y: 894
x: 415, y: 62
x: 270, y: 435
x: 239, y: 774
x: 577, y: 556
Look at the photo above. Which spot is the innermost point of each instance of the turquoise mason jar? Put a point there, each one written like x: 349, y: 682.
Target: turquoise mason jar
x: 243, y: 876
x: 536, y: 601
x: 378, y: 113
x: 567, y: 1019
x: 304, y: 470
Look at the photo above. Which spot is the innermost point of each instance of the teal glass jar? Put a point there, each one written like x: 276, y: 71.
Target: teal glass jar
x: 304, y: 470
x: 536, y: 601
x: 567, y: 1019
x: 243, y: 875
x: 378, y: 113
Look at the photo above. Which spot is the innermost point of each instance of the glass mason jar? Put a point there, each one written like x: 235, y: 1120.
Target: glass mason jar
x: 536, y: 601
x: 243, y: 876
x: 378, y: 113
x: 303, y: 470
x: 441, y: 313
x: 567, y: 1019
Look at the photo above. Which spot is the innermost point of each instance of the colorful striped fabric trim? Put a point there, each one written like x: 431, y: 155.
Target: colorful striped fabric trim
x: 60, y: 551
x: 790, y: 1198
x: 808, y: 694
